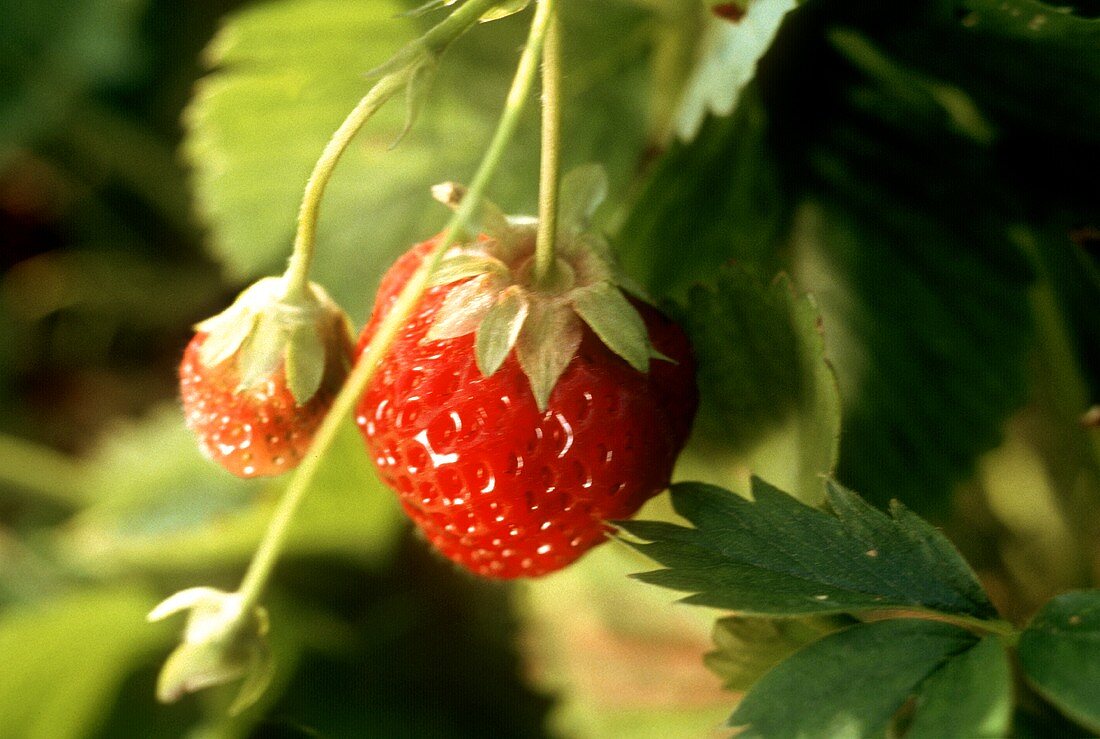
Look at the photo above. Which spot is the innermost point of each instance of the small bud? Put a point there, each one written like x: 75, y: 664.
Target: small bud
x: 221, y: 643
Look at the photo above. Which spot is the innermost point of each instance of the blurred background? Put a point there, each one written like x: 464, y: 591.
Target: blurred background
x: 105, y: 505
x: 102, y: 272
x: 926, y: 172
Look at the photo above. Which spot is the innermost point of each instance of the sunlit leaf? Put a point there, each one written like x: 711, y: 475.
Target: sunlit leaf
x: 186, y: 514
x: 285, y: 75
x: 65, y: 659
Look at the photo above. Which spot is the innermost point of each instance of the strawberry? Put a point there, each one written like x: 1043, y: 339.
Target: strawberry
x: 514, y: 421
x: 257, y: 379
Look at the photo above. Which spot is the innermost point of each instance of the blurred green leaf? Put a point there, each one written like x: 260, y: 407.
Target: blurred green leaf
x: 970, y: 695
x: 285, y: 75
x: 762, y: 372
x: 185, y: 513
x: 64, y: 660
x: 749, y: 647
x: 849, y: 684
x: 716, y: 199
x: 779, y: 557
x: 928, y: 298
x: 54, y: 53
x: 1060, y: 655
x: 1026, y: 61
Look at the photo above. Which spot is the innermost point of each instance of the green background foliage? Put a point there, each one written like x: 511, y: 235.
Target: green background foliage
x: 878, y: 225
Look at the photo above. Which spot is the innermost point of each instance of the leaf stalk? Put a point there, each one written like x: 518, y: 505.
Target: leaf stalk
x: 549, y: 165
x: 259, y: 570
x: 434, y: 42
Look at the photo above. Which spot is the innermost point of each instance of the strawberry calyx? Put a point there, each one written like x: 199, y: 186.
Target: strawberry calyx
x: 269, y: 326
x: 500, y: 300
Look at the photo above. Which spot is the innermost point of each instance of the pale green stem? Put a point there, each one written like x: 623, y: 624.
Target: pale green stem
x: 264, y: 560
x: 435, y: 42
x: 551, y: 150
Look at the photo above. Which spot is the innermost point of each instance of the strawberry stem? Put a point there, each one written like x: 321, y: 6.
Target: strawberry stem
x: 434, y: 42
x: 550, y: 154
x: 259, y: 570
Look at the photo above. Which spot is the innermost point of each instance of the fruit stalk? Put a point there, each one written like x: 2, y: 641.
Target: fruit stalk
x: 263, y: 561
x: 435, y: 41
x: 550, y: 154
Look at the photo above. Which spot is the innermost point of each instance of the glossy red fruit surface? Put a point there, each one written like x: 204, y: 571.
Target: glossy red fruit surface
x: 254, y: 432
x: 497, y: 485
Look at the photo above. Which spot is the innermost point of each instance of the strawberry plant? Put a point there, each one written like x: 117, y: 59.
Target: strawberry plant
x: 766, y: 402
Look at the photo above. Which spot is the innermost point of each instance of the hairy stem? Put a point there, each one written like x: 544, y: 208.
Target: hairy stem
x: 264, y: 560
x: 434, y: 42
x: 551, y: 149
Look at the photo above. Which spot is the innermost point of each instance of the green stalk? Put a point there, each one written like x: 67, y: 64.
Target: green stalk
x: 550, y: 153
x: 259, y: 570
x: 434, y: 42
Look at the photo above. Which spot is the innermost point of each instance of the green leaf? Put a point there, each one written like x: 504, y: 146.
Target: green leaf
x: 65, y: 659
x: 767, y: 394
x: 286, y: 73
x: 850, y: 684
x: 969, y: 696
x: 749, y: 647
x: 778, y: 557
x: 717, y: 199
x: 618, y: 324
x: 499, y: 330
x: 728, y: 62
x: 916, y: 292
x: 53, y: 56
x: 1060, y: 655
x: 185, y: 514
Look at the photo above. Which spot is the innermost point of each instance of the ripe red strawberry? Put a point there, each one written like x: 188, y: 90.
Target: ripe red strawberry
x: 248, y: 415
x: 497, y: 483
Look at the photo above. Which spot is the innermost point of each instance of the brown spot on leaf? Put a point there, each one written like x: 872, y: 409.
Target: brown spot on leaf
x: 731, y: 12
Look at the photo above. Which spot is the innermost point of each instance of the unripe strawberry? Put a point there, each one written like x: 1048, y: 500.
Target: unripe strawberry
x: 257, y: 379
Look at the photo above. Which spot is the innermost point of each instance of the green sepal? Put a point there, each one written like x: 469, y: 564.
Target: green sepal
x: 500, y: 329
x: 464, y: 308
x: 547, y: 344
x: 265, y: 328
x: 223, y: 341
x: 304, y: 363
x: 461, y: 264
x: 504, y: 9
x: 262, y: 351
x: 613, y: 319
x: 421, y: 75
